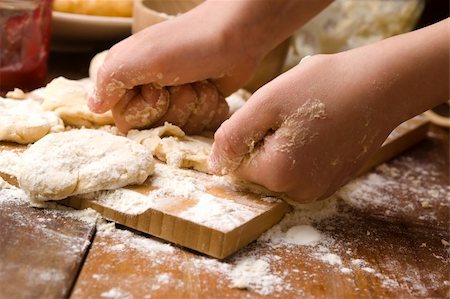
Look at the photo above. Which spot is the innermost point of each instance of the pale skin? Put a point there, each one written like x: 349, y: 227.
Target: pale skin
x: 304, y: 134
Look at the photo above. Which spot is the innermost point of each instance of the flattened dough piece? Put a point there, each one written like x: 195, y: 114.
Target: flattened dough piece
x: 82, y: 161
x: 24, y: 121
x: 69, y: 98
x: 169, y: 144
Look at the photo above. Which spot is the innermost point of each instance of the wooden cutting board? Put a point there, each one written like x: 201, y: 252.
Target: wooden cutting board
x: 178, y: 219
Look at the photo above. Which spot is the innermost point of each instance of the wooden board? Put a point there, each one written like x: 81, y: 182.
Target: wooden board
x: 168, y: 224
x: 168, y: 220
x: 402, y: 258
x: 41, y: 251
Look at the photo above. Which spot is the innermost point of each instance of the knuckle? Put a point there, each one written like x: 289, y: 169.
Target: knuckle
x: 225, y: 141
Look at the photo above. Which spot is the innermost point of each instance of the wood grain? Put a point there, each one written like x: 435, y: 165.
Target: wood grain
x: 41, y: 251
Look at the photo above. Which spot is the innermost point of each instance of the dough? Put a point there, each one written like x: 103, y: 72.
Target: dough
x: 169, y: 144
x: 24, y: 121
x: 68, y: 98
x: 82, y: 161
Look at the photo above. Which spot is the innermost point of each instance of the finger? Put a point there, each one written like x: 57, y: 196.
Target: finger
x: 227, y: 84
x: 182, y: 99
x: 266, y: 165
x: 239, y: 135
x: 222, y: 113
x: 274, y: 166
x: 159, y: 63
x: 142, y: 110
x: 107, y: 92
x: 204, y: 109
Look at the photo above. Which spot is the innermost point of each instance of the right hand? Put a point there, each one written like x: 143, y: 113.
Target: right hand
x: 177, y: 71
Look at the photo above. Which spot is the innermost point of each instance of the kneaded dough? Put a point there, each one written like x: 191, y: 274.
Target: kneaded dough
x: 169, y: 144
x: 68, y: 98
x: 24, y: 121
x: 82, y: 161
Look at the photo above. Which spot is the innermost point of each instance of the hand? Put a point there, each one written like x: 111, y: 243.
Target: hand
x: 307, y: 132
x: 177, y: 71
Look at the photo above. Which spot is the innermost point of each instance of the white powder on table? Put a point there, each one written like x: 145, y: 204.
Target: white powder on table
x: 162, y: 278
x: 171, y: 183
x: 255, y: 273
x: 116, y: 293
x: 130, y: 239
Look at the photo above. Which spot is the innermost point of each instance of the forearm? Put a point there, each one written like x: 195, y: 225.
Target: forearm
x: 409, y: 74
x: 259, y: 25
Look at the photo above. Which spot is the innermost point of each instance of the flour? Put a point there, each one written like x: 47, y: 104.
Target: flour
x: 163, y: 278
x: 303, y: 235
x: 255, y: 273
x: 129, y: 239
x: 116, y: 293
x: 294, y: 132
x: 381, y: 191
x: 296, y: 227
x: 169, y: 183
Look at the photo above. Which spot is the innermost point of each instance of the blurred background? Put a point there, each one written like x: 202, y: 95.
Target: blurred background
x: 83, y: 28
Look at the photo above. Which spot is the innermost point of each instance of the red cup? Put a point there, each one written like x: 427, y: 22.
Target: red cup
x: 25, y: 28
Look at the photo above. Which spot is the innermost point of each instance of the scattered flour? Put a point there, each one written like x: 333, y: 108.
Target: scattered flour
x: 130, y: 239
x: 116, y: 293
x: 169, y: 183
x: 255, y: 274
x: 163, y: 278
x: 303, y: 235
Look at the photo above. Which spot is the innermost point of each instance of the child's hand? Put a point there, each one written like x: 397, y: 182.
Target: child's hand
x: 177, y: 71
x: 307, y: 132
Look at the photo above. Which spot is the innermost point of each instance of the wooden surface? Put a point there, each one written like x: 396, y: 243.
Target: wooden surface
x: 41, y: 251
x: 398, y: 258
x: 403, y: 246
x: 166, y: 221
x: 395, y: 255
x: 166, y: 218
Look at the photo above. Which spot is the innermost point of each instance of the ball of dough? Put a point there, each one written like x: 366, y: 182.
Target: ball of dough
x: 82, y: 161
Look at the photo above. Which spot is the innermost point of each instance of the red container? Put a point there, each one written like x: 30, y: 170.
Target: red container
x: 25, y: 28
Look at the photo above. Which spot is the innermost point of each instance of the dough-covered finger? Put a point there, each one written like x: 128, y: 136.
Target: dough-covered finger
x: 182, y: 101
x: 239, y: 135
x: 204, y: 109
x: 143, y: 109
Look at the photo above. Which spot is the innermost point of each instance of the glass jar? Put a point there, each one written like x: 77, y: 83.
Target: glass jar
x: 25, y: 27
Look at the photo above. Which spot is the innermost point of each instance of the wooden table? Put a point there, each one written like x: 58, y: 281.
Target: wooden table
x: 390, y: 247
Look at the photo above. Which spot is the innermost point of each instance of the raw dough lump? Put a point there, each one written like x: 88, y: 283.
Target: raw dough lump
x: 69, y: 98
x: 82, y: 161
x: 24, y: 121
x: 169, y: 144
